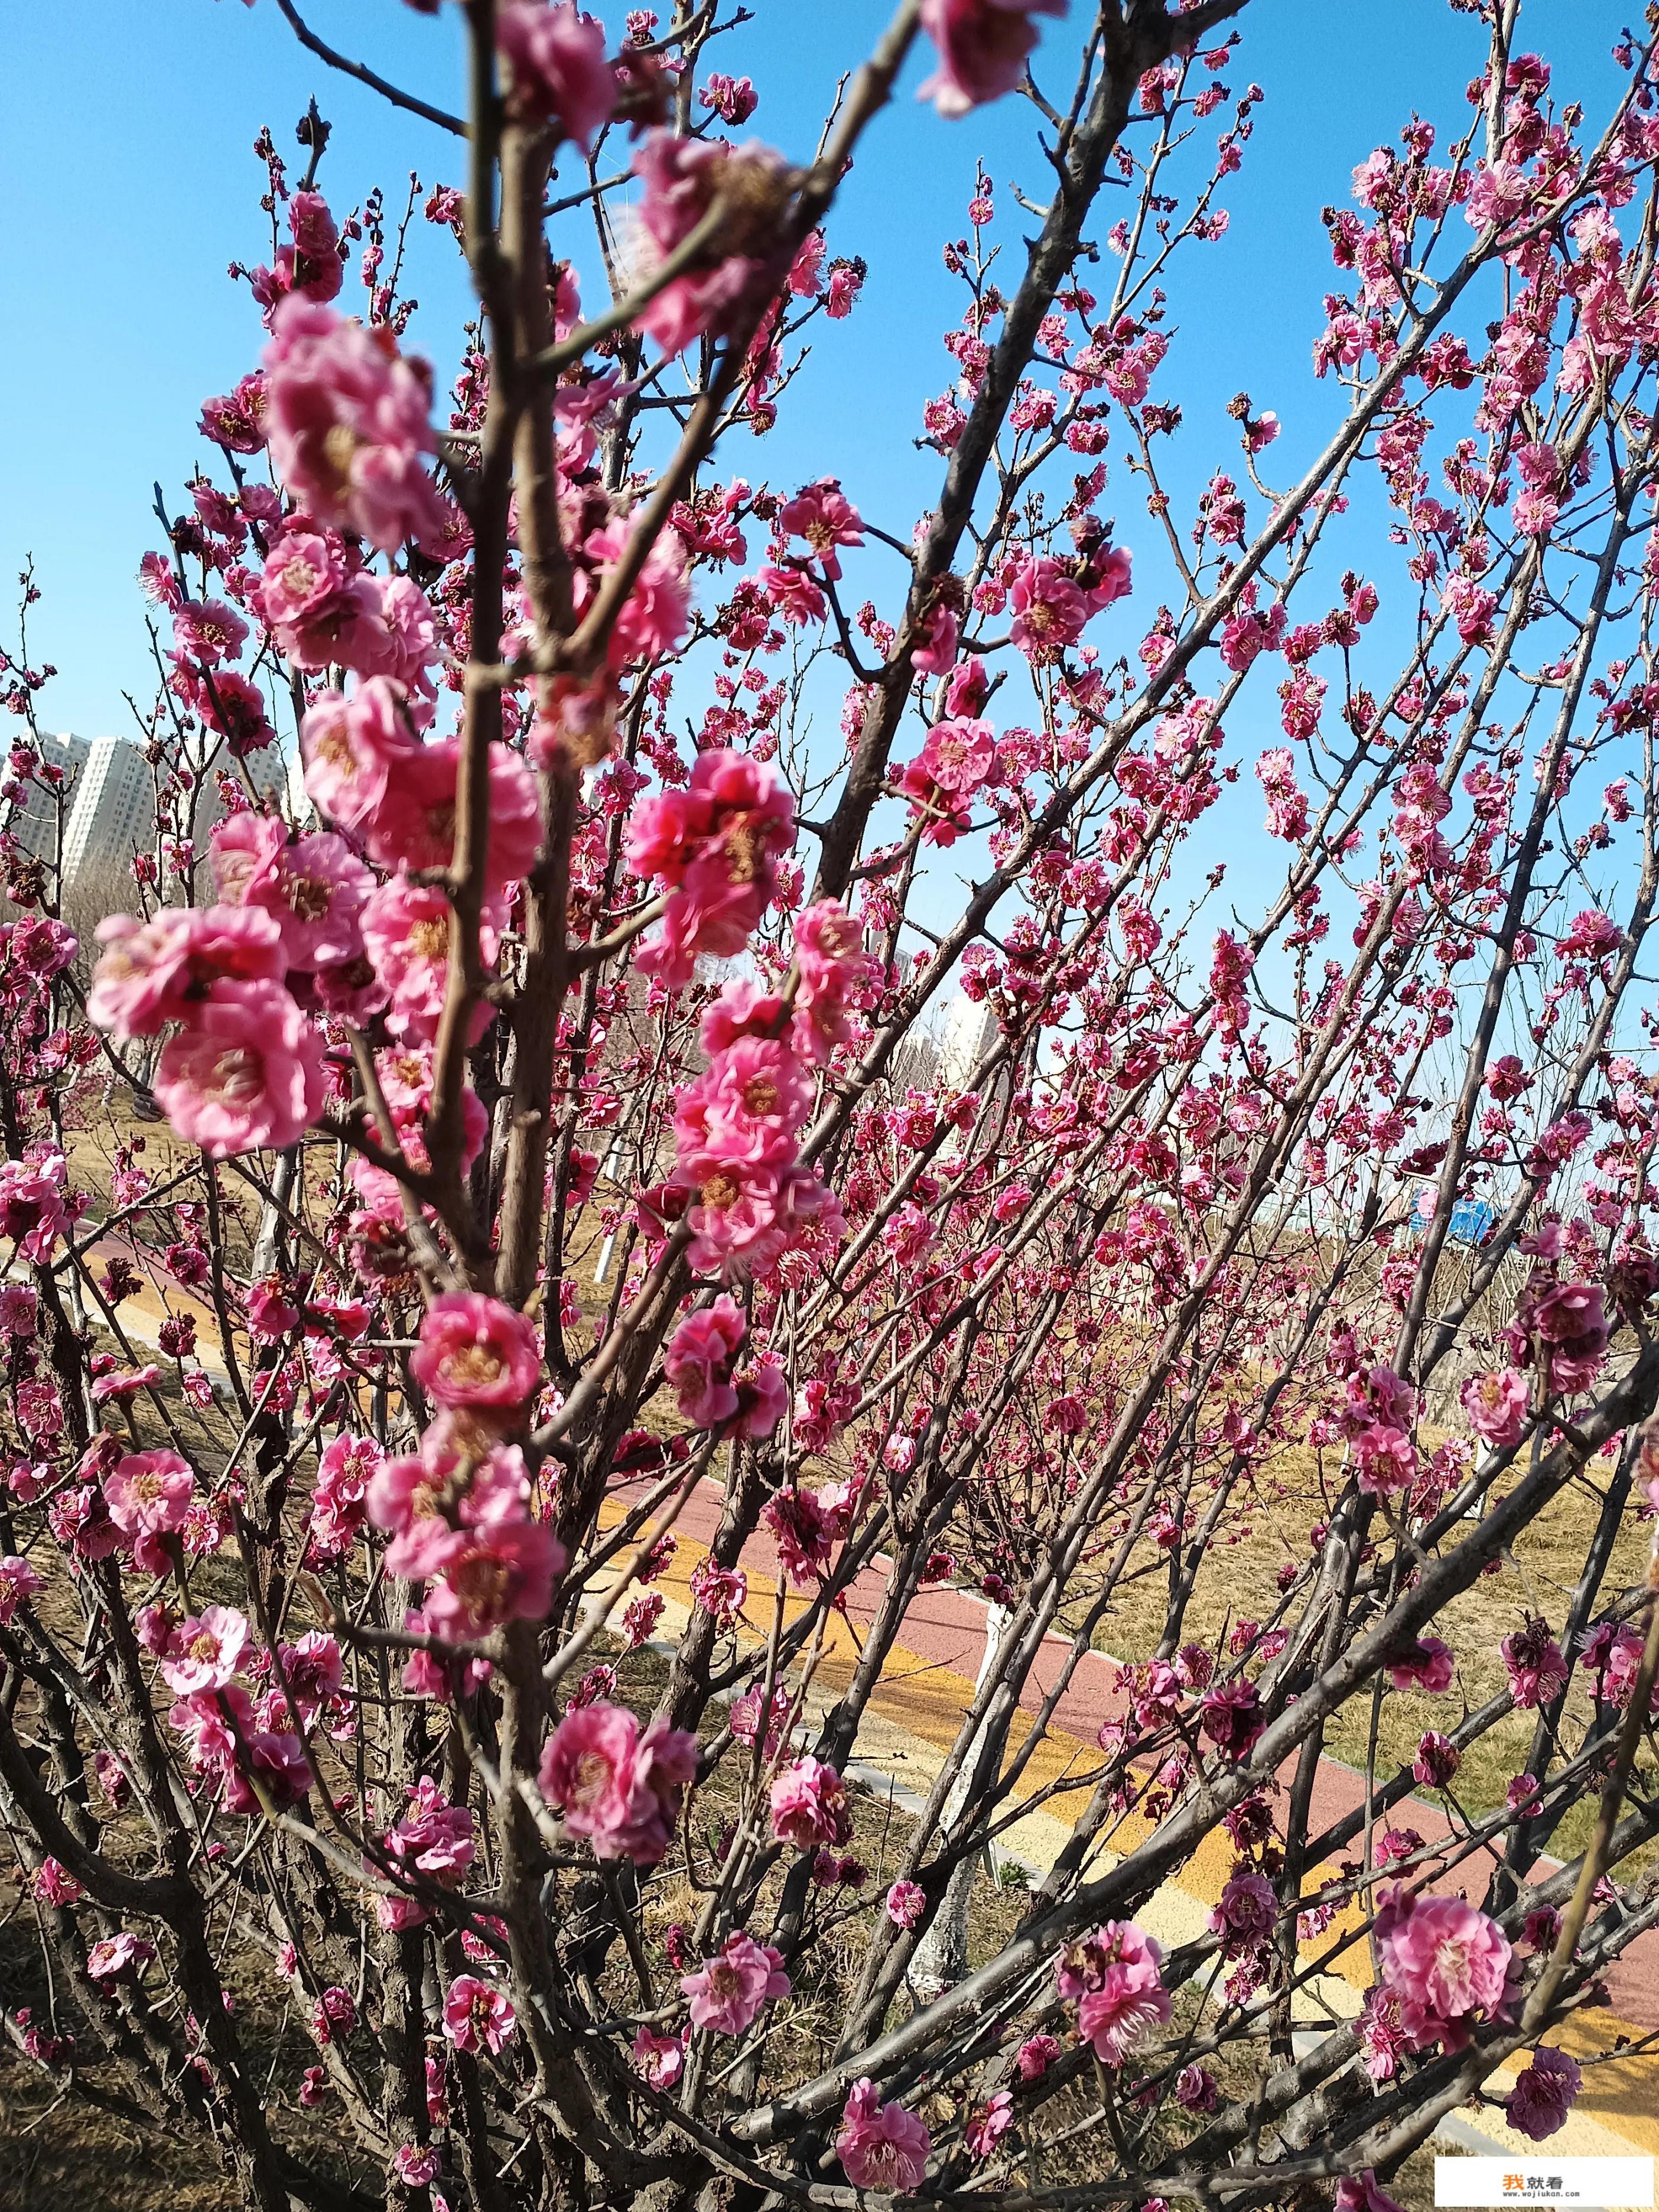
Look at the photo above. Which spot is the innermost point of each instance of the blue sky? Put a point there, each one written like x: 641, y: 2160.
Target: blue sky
x: 126, y: 167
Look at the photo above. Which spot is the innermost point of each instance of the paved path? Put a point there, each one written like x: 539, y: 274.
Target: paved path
x: 927, y: 1688
x: 943, y: 1631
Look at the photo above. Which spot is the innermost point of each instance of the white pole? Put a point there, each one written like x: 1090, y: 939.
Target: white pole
x: 941, y: 1957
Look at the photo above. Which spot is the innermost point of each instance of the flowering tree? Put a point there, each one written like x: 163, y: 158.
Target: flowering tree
x: 561, y: 1137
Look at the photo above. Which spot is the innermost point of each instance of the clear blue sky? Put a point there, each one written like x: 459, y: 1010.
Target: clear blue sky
x: 126, y: 172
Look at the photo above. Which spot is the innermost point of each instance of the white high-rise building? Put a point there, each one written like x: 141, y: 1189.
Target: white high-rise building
x: 111, y: 811
x: 114, y: 809
x: 968, y: 1031
x: 296, y: 799
x: 31, y: 817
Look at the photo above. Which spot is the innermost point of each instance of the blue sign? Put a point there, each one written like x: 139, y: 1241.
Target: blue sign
x: 1473, y: 1219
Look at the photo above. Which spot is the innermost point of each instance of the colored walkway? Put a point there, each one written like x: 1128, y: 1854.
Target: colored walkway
x: 927, y: 1687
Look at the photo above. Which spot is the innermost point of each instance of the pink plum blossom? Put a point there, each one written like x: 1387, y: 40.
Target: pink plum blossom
x: 1230, y: 1715
x: 406, y: 928
x: 348, y: 421
x: 352, y: 746
x: 236, y: 420
x: 1544, y: 2094
x: 809, y: 1806
x: 1383, y: 2039
x: 825, y: 519
x: 987, y: 2125
x: 1427, y: 1664
x: 313, y: 887
x: 727, y: 1992
x: 33, y: 1214
x: 244, y: 1073
x: 1445, y: 1962
x: 660, y: 2058
x: 1497, y: 1405
x: 616, y: 1786
x: 716, y: 845
x: 1386, y: 1459
x: 1115, y: 1977
x: 423, y: 1498
x: 324, y: 608
x: 412, y: 823
x: 1437, y: 1760
x: 1562, y: 1328
x: 722, y: 1591
x: 19, y: 1583
x: 1195, y: 2090
x: 881, y: 2145
x: 744, y: 1111
x: 339, y: 1506
x: 681, y: 179
x: 1049, y: 611
x: 204, y: 1653
x: 463, y: 1523
x: 152, y: 973
x: 560, y: 73
x: 1246, y: 1916
x: 836, y: 975
x: 149, y: 1495
x: 493, y: 1573
x: 905, y: 1903
x: 437, y: 1840
x: 744, y: 1218
x: 477, y: 2017
x: 763, y: 1397
x: 54, y: 1885
x: 1534, y: 1662
x: 958, y: 754
x: 207, y: 631
x: 982, y: 47
x: 803, y: 1531
x: 652, y: 621
x: 1592, y: 934
x: 477, y: 1352
x: 1361, y: 2192
x: 113, y: 1958
x: 698, y: 1361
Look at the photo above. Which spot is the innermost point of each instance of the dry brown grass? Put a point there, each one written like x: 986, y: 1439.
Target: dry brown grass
x: 67, y: 2158
x: 63, y: 2154
x: 1237, y: 1578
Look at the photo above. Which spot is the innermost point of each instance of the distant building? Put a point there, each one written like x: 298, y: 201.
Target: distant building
x: 946, y: 1050
x: 296, y: 799
x: 114, y: 809
x: 110, y: 811
x: 967, y: 1036
x: 32, y: 818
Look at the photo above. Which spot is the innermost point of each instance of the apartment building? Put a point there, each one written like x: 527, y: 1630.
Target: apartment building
x: 32, y: 819
x: 110, y: 811
x: 114, y: 808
